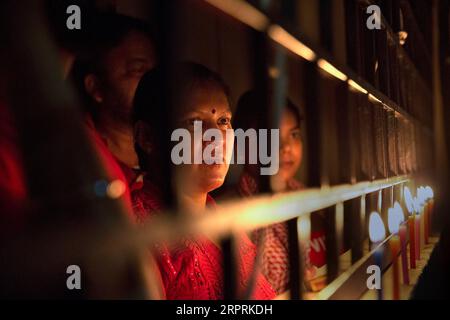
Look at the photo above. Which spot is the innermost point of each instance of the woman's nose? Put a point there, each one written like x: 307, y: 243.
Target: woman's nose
x: 285, y: 146
x: 221, y: 141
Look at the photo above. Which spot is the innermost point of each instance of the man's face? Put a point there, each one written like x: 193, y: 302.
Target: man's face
x: 123, y: 68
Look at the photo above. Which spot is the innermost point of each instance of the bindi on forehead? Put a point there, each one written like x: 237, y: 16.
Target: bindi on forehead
x: 213, y: 111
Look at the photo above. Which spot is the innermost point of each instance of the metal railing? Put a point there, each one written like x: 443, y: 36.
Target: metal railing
x: 369, y: 182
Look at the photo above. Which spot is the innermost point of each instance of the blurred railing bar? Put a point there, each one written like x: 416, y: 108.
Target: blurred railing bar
x: 262, y: 211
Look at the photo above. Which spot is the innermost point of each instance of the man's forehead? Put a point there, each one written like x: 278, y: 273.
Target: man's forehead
x: 134, y: 45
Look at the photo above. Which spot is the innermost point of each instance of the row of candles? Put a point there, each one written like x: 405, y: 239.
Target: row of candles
x: 419, y: 209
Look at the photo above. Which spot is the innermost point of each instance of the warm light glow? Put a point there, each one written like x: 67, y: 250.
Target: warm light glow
x: 377, y: 231
x: 304, y: 228
x: 243, y: 12
x: 281, y: 36
x: 429, y: 192
x: 274, y: 72
x: 328, y: 67
x: 399, y: 210
x: 421, y: 195
x: 373, y: 98
x: 116, y: 189
x: 356, y: 86
x: 402, y: 35
x: 409, y: 202
x: 395, y: 218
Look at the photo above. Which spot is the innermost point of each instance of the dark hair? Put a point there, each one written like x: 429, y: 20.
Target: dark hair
x: 248, y: 113
x: 295, y: 111
x: 160, y: 92
x: 110, y: 30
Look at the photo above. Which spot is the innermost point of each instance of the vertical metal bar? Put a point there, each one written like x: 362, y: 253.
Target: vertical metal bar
x: 331, y: 243
x: 339, y: 212
x: 263, y: 87
x: 367, y: 146
x: 332, y: 138
x: 372, y: 204
x: 313, y: 129
x: 229, y: 269
x: 379, y: 138
x: 295, y: 267
x: 357, y: 211
x: 326, y: 32
x: 167, y: 47
x: 353, y: 35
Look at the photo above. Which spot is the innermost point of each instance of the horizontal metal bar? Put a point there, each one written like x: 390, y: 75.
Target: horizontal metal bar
x: 264, y: 210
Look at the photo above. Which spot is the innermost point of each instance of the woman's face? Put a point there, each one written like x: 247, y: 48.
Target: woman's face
x: 210, y: 106
x: 290, y: 146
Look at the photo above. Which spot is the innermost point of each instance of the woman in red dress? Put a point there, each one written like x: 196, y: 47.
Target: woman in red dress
x: 274, y: 238
x: 193, y: 268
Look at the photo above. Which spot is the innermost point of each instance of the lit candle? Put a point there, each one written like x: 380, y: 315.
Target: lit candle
x: 402, y: 234
x: 422, y: 197
x: 430, y: 204
x: 377, y: 233
x: 394, y: 221
x: 425, y: 221
x: 409, y: 202
x: 417, y: 228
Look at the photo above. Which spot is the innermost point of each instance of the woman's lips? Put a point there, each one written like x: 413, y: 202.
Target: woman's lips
x: 214, y: 171
x: 286, y: 163
x: 217, y: 168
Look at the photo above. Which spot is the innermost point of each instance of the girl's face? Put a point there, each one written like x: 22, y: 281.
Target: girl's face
x: 210, y: 106
x: 291, y: 147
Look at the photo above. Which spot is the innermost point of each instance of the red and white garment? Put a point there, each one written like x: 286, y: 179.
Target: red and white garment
x: 274, y: 241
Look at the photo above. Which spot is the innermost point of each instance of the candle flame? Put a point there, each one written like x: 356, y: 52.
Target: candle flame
x: 429, y: 192
x: 399, y: 210
x: 409, y: 202
x: 377, y: 231
x: 395, y: 218
x: 421, y: 195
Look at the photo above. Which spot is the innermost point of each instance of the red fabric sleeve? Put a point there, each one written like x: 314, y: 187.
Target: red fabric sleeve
x: 109, y: 163
x: 12, y: 182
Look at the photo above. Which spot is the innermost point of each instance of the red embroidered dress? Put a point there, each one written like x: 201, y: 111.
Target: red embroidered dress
x: 193, y: 270
x: 275, y: 251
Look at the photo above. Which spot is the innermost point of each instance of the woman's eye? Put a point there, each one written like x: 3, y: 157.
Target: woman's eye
x: 225, y: 121
x: 137, y: 68
x: 296, y: 135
